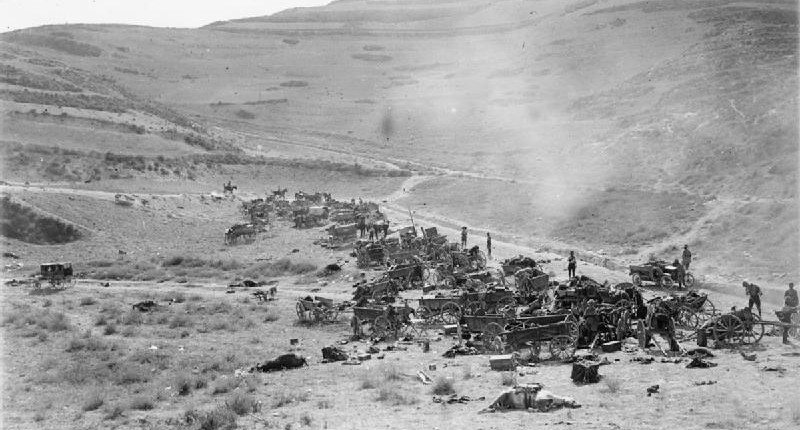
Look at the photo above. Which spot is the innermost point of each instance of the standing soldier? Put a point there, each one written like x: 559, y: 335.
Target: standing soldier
x: 464, y: 237
x: 572, y: 264
x: 362, y: 224
x: 687, y: 257
x: 489, y: 245
x: 790, y: 296
x: 754, y: 294
x: 680, y: 273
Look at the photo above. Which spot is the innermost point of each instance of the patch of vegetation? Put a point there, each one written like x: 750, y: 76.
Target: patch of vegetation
x: 43, y: 319
x: 80, y: 101
x: 395, y: 396
x: 55, y: 42
x: 288, y: 397
x: 244, y: 114
x: 14, y: 76
x: 508, y: 379
x: 93, y: 402
x: 282, y: 267
x: 375, y: 58
x: 224, y: 385
x: 142, y: 403
x: 443, y: 386
x: 243, y: 404
x: 23, y: 223
x: 294, y: 84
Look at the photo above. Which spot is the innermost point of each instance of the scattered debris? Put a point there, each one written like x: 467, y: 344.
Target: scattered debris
x: 748, y: 357
x: 653, y: 389
x: 455, y: 398
x: 705, y: 382
x: 332, y: 353
x: 530, y: 397
x: 424, y: 377
x: 698, y: 362
x: 145, y: 306
x: 10, y: 255
x: 286, y: 361
x: 460, y: 350
x: 700, y: 353
x: 585, y: 372
x: 644, y: 360
x: 775, y: 368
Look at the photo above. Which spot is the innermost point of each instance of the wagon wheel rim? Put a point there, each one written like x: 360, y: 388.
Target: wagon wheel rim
x: 667, y: 282
x: 753, y: 331
x: 708, y: 307
x: 689, y: 280
x: 562, y: 347
x: 451, y: 313
x: 636, y: 279
x: 728, y: 329
x: 687, y: 318
x: 379, y: 326
x: 492, y: 330
x: 496, y: 344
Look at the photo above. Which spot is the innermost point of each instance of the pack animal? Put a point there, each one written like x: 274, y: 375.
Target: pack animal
x: 283, y: 362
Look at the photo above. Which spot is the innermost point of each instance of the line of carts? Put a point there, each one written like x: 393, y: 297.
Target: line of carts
x: 581, y: 314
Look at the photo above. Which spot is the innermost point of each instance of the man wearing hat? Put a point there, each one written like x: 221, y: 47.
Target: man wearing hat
x: 464, y: 237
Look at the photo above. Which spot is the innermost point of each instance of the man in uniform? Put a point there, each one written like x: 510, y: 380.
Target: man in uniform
x: 572, y: 264
x: 464, y: 237
x: 687, y: 257
x: 754, y: 294
x: 680, y: 273
x: 790, y: 296
x: 488, y: 245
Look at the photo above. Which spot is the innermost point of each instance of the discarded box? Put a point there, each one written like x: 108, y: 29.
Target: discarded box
x: 611, y: 346
x: 502, y: 362
x: 294, y: 341
x: 364, y: 357
x: 451, y: 329
x: 431, y: 367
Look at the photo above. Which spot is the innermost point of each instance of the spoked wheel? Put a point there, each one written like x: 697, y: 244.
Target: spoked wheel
x: 708, y: 307
x: 623, y: 304
x: 451, y: 313
x: 636, y: 279
x: 688, y: 280
x: 380, y: 327
x: 688, y: 318
x: 753, y: 331
x: 667, y: 282
x: 728, y: 329
x: 562, y: 347
x: 425, y: 313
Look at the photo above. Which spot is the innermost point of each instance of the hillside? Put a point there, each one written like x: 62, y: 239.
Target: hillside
x: 590, y: 111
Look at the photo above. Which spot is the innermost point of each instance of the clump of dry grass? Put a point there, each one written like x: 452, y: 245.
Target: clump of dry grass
x: 224, y: 385
x: 306, y: 420
x: 93, y: 402
x: 24, y: 316
x: 395, y: 396
x: 612, y: 385
x: 288, y: 397
x: 142, y: 403
x: 114, y: 412
x: 243, y: 404
x: 220, y: 417
x: 443, y: 386
x: 374, y: 377
x: 87, y: 301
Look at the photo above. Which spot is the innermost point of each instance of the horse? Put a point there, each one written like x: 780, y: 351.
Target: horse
x: 228, y: 188
x: 280, y: 193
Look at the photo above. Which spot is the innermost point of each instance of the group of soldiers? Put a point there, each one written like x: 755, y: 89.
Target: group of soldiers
x: 372, y: 225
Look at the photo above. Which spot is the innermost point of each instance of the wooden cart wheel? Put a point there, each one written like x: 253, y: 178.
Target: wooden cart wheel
x: 667, y: 282
x: 623, y: 304
x: 380, y: 326
x: 753, y: 331
x: 728, y: 329
x: 636, y: 279
x: 451, y: 313
x: 708, y: 307
x: 688, y: 280
x: 688, y: 318
x: 562, y: 347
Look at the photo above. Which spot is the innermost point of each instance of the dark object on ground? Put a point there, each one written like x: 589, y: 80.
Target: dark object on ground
x: 585, y: 373
x: 611, y: 346
x: 331, y: 269
x: 643, y: 360
x: 250, y: 284
x: 10, y: 255
x: 286, y: 361
x: 698, y: 362
x: 705, y: 383
x: 456, y: 399
x: 652, y: 389
x: 332, y: 353
x: 145, y: 306
x: 530, y: 397
x: 460, y: 350
x: 700, y: 353
x: 748, y: 357
x: 775, y: 368
x: 294, y: 251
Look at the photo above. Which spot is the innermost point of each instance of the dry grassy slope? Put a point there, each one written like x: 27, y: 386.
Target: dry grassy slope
x: 674, y: 95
